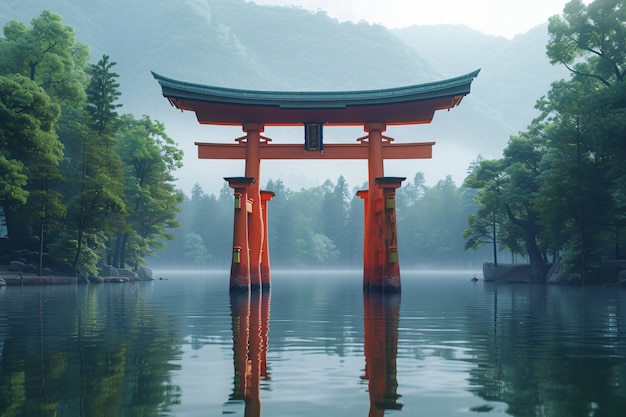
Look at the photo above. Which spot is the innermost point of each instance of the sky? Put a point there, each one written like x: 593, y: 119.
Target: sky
x: 494, y: 17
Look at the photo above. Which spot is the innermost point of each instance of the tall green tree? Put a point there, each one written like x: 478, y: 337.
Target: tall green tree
x: 520, y: 192
x: 95, y: 175
x: 103, y: 92
x: 486, y: 226
x: 29, y: 156
x: 46, y: 53
x: 509, y: 205
x: 150, y: 158
x: 590, y: 40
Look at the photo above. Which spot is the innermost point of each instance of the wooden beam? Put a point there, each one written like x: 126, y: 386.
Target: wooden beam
x: 416, y: 150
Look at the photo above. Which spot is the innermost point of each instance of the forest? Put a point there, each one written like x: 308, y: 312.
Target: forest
x: 80, y: 184
x: 88, y: 186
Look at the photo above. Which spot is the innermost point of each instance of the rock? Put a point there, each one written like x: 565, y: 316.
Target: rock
x: 95, y: 279
x: 128, y: 274
x: 81, y: 279
x: 145, y: 273
x: 512, y: 273
x: 108, y: 271
x: 556, y: 274
x: 17, y: 266
x: 115, y: 279
x: 32, y: 257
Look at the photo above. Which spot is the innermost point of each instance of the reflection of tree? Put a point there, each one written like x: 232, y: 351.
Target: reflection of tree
x: 381, y: 316
x: 250, y: 325
x: 76, y: 358
x: 540, y: 353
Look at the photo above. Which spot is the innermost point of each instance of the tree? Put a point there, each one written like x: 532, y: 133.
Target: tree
x: 196, y: 253
x: 508, y: 205
x: 586, y: 127
x: 334, y: 215
x: 520, y: 190
x: 595, y: 33
x: 47, y: 54
x: 150, y: 157
x: 486, y: 225
x: 95, y: 177
x: 103, y: 93
x: 29, y: 155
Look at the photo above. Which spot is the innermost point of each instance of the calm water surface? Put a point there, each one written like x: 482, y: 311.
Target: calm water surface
x: 315, y: 346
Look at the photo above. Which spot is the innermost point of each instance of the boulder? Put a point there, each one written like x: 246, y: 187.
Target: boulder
x: 17, y: 266
x: 32, y: 257
x: 556, y: 274
x: 95, y: 279
x: 108, y: 271
x: 128, y: 274
x: 116, y: 279
x: 506, y: 272
x: 145, y: 273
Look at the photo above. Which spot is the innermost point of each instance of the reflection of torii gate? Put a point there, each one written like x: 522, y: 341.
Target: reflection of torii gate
x: 373, y: 109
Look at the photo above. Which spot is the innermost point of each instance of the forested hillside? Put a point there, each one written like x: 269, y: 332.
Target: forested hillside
x: 237, y: 43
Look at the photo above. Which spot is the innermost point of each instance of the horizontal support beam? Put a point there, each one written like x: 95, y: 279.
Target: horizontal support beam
x: 419, y: 150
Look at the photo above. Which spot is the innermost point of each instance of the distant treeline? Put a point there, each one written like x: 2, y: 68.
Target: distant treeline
x: 322, y: 227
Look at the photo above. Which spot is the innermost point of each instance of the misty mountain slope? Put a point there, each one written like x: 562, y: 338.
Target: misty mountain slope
x: 514, y: 73
x: 239, y: 44
x: 234, y: 44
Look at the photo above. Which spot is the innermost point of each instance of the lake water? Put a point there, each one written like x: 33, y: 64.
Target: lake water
x: 315, y: 346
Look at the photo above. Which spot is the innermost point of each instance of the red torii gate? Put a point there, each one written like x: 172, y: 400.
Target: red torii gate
x: 373, y: 109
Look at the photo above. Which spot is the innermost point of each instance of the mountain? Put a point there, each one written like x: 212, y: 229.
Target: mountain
x: 515, y: 73
x: 237, y: 43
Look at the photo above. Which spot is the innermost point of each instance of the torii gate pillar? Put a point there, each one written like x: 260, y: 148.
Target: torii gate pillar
x: 265, y: 251
x: 250, y: 267
x: 381, y: 267
x: 240, y: 263
x: 256, y: 231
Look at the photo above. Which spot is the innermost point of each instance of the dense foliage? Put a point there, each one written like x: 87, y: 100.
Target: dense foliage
x: 77, y: 180
x: 558, y: 192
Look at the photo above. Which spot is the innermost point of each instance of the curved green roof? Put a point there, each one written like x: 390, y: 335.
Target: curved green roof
x: 400, y: 105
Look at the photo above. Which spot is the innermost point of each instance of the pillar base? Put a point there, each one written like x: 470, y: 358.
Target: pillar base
x: 239, y: 289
